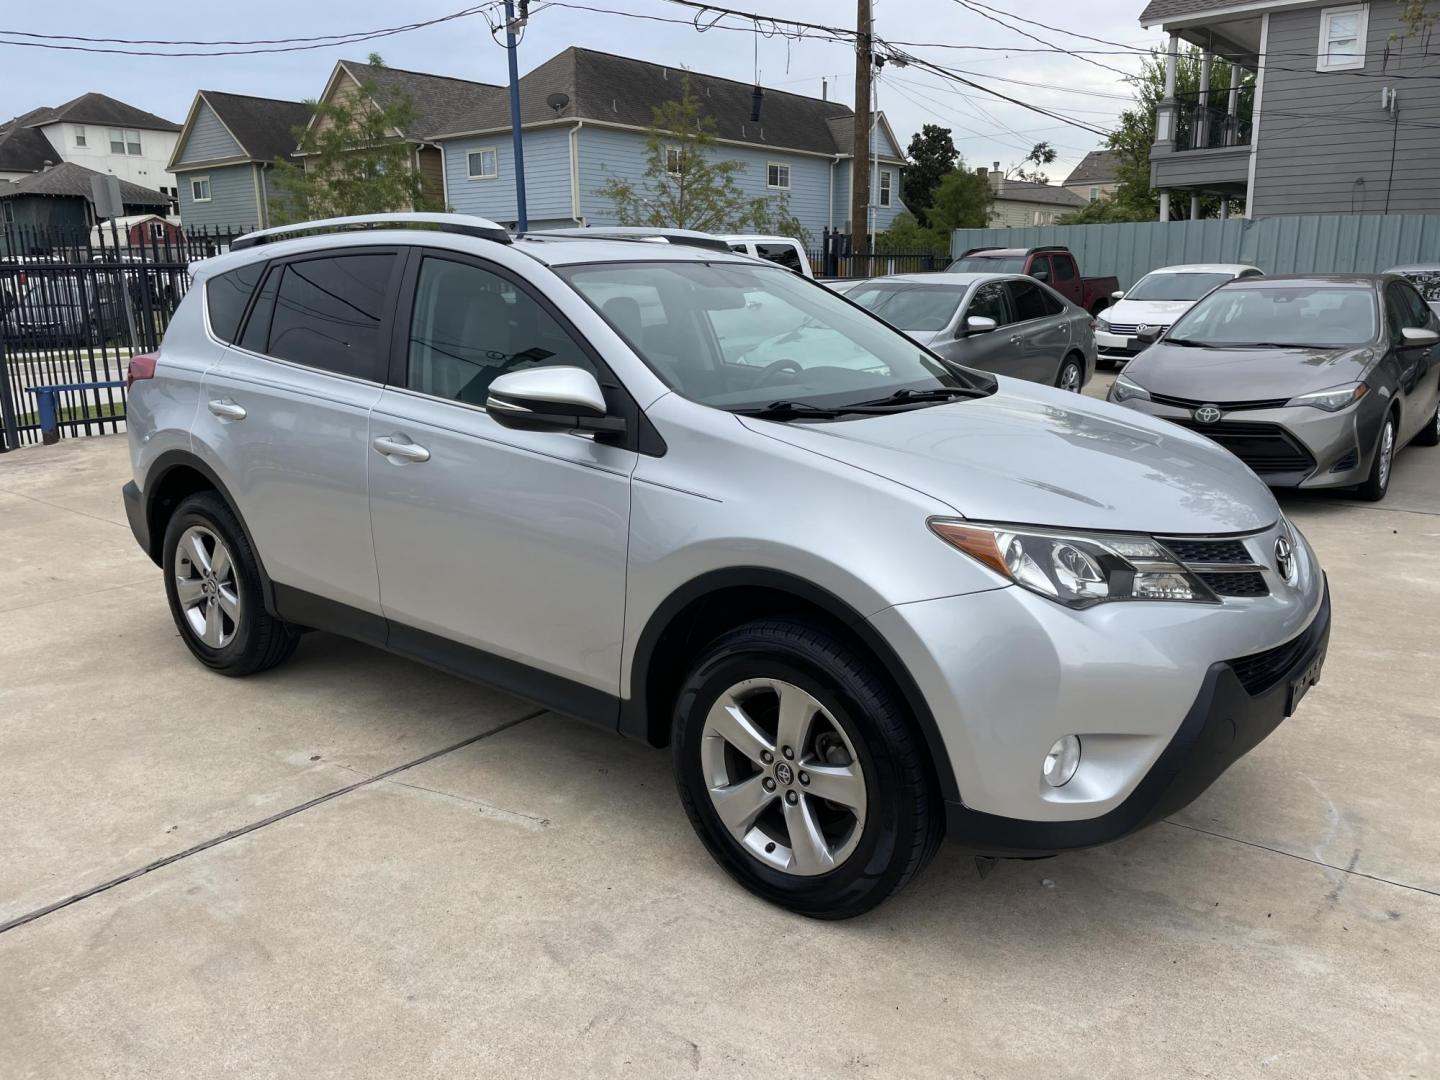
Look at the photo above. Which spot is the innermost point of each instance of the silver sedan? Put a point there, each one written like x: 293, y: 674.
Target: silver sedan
x: 1006, y: 323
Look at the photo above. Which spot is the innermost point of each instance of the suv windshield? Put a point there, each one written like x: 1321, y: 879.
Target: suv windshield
x: 1281, y: 316
x: 1175, y: 286
x: 910, y: 307
x: 738, y: 336
x: 987, y: 264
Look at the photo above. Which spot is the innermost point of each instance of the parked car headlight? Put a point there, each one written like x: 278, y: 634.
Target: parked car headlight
x: 1101, y: 324
x: 1127, y: 389
x: 1334, y: 398
x: 1078, y: 569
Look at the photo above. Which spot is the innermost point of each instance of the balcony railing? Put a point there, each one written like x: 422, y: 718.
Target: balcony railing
x: 1213, y: 126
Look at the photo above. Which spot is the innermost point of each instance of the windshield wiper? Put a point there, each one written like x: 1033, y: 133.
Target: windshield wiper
x: 790, y: 410
x: 909, y: 396
x: 1189, y: 343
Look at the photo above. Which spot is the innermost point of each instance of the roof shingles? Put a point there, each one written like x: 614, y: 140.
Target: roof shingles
x: 69, y: 180
x: 264, y: 127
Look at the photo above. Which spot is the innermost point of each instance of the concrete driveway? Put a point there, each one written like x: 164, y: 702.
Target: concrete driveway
x: 355, y: 866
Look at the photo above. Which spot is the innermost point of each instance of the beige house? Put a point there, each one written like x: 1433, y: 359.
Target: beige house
x: 1021, y: 203
x: 1094, y: 177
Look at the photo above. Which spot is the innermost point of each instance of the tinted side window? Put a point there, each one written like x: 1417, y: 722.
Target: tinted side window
x: 1064, y: 267
x: 1026, y: 300
x: 1416, y: 310
x: 328, y: 314
x: 257, y: 326
x: 989, y: 303
x: 784, y: 254
x: 1040, y: 268
x: 226, y: 296
x: 470, y: 325
x: 1054, y: 304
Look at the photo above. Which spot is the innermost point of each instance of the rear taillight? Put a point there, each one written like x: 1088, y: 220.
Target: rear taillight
x: 141, y: 367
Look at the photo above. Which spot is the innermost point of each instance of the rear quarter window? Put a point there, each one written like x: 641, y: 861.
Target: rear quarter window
x: 226, y: 297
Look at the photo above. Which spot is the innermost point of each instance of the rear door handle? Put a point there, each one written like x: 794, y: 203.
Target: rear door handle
x: 226, y: 409
x: 398, y: 446
x: 1016, y: 339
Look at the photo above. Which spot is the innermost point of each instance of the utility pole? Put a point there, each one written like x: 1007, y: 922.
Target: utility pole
x: 522, y: 219
x: 860, y: 161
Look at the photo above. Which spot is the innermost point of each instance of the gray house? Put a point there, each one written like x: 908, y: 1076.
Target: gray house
x: 225, y: 156
x: 56, y: 202
x: 1332, y: 109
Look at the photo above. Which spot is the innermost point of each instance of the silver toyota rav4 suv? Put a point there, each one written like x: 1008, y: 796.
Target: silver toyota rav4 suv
x: 868, y: 601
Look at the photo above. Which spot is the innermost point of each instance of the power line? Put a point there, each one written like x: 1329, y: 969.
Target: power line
x: 1025, y: 33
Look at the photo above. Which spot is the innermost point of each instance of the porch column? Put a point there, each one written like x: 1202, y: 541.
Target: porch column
x: 1164, y: 206
x: 1232, y: 108
x: 1194, y: 207
x: 1201, y: 124
x: 1165, y: 109
x: 1225, y: 208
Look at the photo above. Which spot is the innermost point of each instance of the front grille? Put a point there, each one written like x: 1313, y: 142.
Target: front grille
x: 1266, y: 448
x: 1131, y: 328
x: 1197, y: 549
x: 1224, y: 406
x: 1238, y: 583
x: 1261, y: 671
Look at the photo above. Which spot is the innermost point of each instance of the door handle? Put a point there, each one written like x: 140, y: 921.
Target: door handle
x: 398, y: 446
x: 226, y: 409
x: 1016, y: 339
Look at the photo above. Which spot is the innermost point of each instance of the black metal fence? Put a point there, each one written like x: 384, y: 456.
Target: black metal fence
x: 837, y: 258
x: 1212, y: 126
x: 75, y: 305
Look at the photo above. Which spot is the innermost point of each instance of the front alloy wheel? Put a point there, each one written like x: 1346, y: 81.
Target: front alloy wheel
x: 783, y: 776
x: 1378, y: 482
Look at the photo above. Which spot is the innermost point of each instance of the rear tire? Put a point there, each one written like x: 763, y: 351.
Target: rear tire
x: 751, y: 694
x: 212, y: 580
x: 1378, y: 482
x: 1430, y: 434
x: 1071, y: 376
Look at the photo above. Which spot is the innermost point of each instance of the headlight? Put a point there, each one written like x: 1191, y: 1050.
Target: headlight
x: 1126, y: 389
x: 1101, y: 324
x: 1334, y: 399
x: 1078, y: 569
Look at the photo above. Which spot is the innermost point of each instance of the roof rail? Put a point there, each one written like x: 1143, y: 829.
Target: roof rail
x: 686, y: 237
x: 977, y: 250
x: 464, y: 224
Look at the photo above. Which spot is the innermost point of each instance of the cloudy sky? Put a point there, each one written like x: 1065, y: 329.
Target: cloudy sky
x: 986, y: 129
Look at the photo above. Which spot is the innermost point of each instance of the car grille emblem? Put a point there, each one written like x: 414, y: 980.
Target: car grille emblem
x: 1284, y: 558
x: 1142, y: 328
x: 1207, y: 414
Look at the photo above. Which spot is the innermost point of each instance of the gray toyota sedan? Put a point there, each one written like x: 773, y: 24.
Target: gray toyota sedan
x: 1010, y: 324
x: 1313, y: 382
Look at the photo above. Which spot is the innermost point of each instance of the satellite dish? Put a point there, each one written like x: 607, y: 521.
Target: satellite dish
x: 558, y: 102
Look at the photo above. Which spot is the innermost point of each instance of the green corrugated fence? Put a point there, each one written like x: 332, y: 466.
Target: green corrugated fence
x: 1299, y: 244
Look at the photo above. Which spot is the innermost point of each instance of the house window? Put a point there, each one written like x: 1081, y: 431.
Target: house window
x: 1094, y: 194
x: 1342, y: 38
x: 200, y: 189
x: 777, y: 176
x: 483, y: 164
x: 79, y: 135
x: 887, y: 179
x: 124, y: 141
x: 8, y: 212
x: 157, y: 231
x: 673, y: 158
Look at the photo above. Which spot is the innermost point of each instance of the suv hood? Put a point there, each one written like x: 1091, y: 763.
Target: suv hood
x: 1222, y: 375
x: 1152, y: 312
x: 1035, y: 455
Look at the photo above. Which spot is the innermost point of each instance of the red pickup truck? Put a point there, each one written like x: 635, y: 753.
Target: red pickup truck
x: 1053, y: 265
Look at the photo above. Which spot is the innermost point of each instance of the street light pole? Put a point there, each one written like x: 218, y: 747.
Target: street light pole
x: 522, y: 219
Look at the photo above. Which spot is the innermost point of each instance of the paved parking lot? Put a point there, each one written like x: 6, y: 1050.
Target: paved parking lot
x: 527, y: 899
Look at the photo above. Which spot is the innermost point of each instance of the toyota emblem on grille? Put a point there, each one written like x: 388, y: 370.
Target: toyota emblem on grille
x: 1284, y: 558
x: 1207, y: 414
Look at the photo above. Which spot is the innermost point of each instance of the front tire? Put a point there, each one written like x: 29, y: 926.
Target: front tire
x: 212, y: 580
x: 799, y: 769
x: 1378, y: 482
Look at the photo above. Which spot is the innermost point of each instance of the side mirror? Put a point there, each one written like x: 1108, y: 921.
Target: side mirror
x: 551, y: 399
x: 1148, y: 335
x: 1418, y: 337
x: 1118, y: 294
x: 979, y: 324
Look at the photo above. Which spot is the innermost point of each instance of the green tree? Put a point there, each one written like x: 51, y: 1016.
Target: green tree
x: 1041, y: 154
x: 962, y: 201
x: 687, y: 186
x: 932, y: 155
x: 354, y: 162
x: 1134, y: 134
x: 907, y: 236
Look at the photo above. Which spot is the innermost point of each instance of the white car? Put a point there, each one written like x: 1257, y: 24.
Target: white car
x: 1156, y: 301
x: 784, y: 250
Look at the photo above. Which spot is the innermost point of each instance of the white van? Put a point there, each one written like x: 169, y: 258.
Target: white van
x: 785, y: 250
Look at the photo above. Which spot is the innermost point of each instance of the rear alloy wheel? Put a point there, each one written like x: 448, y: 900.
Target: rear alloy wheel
x: 800, y: 770
x: 1070, y: 375
x: 1378, y: 482
x: 212, y: 580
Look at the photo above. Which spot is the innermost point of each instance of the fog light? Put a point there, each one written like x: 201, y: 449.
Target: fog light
x: 1062, y: 761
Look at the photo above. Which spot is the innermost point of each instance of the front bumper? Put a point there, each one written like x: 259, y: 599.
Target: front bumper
x: 1112, y: 346
x: 1226, y: 721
